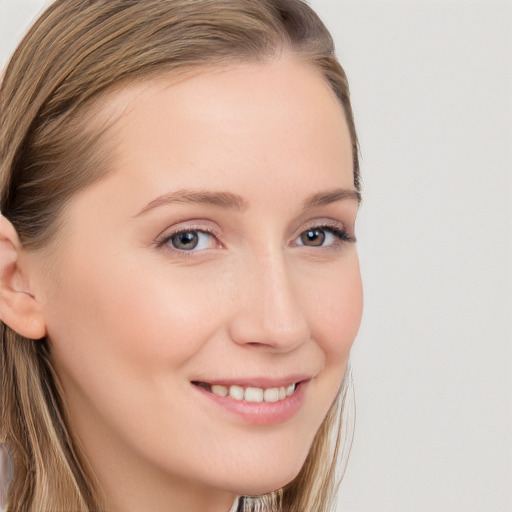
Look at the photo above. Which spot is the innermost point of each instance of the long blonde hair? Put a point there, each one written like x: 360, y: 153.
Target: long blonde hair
x: 77, y: 51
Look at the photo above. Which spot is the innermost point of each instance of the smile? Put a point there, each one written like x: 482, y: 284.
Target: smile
x: 249, y: 393
x: 259, y: 400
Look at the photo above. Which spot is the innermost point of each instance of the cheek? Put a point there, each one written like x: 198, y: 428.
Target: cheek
x: 149, y: 316
x: 118, y: 320
x: 337, y: 305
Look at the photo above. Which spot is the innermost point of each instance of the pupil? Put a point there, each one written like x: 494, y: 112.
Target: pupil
x: 187, y: 241
x: 313, y: 237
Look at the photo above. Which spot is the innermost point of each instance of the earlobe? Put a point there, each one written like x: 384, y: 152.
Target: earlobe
x: 19, y: 308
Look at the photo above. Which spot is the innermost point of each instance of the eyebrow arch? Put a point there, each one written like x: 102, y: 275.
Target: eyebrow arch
x: 221, y: 199
x: 235, y: 202
x: 331, y: 196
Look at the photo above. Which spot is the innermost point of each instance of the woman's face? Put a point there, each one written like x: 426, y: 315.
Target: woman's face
x: 216, y: 255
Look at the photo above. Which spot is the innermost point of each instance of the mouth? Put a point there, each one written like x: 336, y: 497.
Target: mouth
x: 257, y: 401
x: 249, y: 393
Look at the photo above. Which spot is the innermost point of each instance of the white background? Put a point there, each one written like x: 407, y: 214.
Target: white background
x: 431, y: 86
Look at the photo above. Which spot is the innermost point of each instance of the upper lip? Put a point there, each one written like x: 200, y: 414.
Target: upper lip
x: 258, y: 382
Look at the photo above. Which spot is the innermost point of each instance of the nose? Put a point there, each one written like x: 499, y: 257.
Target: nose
x: 268, y: 311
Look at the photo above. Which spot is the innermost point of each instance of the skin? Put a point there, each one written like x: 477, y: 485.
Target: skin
x: 132, y: 320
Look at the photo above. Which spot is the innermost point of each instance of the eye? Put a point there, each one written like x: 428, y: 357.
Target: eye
x: 314, y: 237
x: 190, y: 240
x: 323, y: 236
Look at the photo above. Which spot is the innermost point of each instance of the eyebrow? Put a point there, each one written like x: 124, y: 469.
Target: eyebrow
x: 230, y: 201
x: 331, y: 196
x: 221, y: 199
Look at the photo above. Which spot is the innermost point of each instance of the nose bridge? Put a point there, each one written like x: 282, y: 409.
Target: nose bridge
x: 270, y: 311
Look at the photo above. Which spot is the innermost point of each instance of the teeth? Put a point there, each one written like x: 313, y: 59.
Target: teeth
x: 271, y: 395
x: 219, y: 390
x: 236, y: 392
x: 252, y: 394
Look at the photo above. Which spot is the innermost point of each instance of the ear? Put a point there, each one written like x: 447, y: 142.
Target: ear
x: 19, y: 308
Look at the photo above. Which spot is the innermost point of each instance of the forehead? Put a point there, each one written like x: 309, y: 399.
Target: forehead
x: 278, y: 120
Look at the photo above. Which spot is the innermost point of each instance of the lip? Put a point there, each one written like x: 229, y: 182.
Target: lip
x: 260, y: 413
x: 259, y: 382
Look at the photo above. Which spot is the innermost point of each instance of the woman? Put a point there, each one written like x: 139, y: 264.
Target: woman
x: 180, y: 283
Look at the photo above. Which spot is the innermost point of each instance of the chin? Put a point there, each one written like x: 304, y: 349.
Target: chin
x: 267, y: 481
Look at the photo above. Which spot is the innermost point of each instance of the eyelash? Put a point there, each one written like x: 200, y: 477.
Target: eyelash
x: 340, y: 234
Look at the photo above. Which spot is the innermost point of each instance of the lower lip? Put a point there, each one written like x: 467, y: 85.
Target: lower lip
x: 260, y: 413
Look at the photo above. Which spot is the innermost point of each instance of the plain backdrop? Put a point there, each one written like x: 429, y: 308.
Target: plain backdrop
x: 431, y: 87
